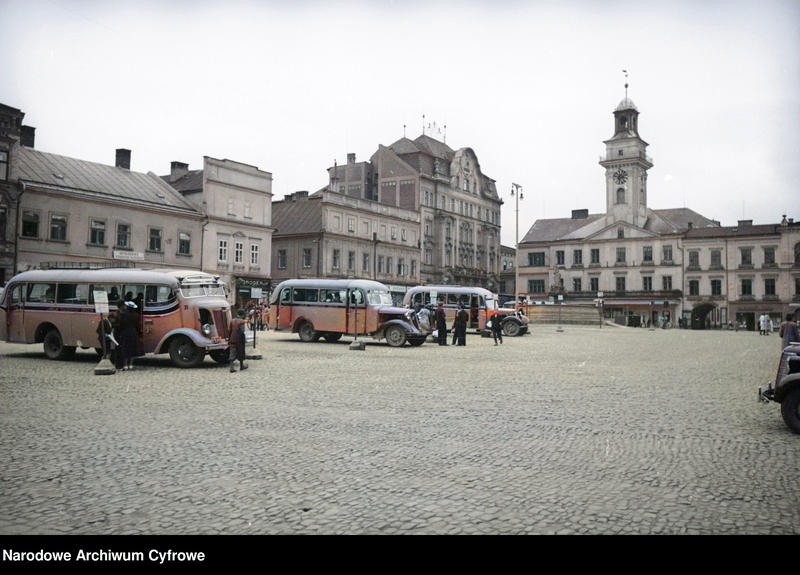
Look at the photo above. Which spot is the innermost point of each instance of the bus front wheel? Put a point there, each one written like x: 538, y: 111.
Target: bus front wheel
x: 184, y: 353
x: 54, y: 347
x: 395, y: 336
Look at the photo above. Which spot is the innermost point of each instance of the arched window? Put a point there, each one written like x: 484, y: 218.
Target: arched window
x: 620, y: 195
x: 797, y: 254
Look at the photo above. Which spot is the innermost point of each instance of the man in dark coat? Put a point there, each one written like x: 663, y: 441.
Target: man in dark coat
x: 460, y: 325
x: 441, y: 323
x: 497, y: 327
x: 236, y: 341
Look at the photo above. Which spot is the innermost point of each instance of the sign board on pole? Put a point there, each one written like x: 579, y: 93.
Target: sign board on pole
x: 255, y: 293
x: 560, y: 297
x: 434, y: 294
x: 100, y: 301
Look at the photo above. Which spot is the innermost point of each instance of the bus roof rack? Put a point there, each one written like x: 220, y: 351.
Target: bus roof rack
x: 84, y: 265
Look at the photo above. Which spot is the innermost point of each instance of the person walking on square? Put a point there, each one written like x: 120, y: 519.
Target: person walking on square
x: 497, y: 327
x: 128, y: 334
x: 441, y: 323
x: 762, y: 324
x: 789, y: 331
x: 236, y: 342
x: 460, y: 326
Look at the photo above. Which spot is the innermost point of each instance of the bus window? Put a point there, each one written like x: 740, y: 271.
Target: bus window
x: 452, y: 299
x: 45, y: 293
x: 155, y: 295
x: 112, y: 290
x: 16, y: 294
x: 286, y: 295
x: 304, y: 295
x: 356, y: 298
x: 72, y: 293
x: 332, y: 296
x: 134, y: 292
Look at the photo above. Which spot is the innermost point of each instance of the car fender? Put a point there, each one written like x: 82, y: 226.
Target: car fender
x: 196, y: 337
x: 409, y: 329
x: 785, y: 385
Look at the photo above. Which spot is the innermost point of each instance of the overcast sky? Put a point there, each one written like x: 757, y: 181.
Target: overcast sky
x: 291, y: 86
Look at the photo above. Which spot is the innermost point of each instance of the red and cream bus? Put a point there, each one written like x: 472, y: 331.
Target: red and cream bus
x: 329, y: 309
x: 480, y: 302
x: 183, y: 313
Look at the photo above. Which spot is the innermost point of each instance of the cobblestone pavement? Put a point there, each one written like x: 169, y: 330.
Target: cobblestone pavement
x: 586, y: 431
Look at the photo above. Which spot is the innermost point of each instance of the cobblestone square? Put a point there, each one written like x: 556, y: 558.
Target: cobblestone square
x: 589, y: 431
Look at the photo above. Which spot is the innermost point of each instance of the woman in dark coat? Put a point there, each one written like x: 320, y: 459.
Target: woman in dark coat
x: 441, y: 323
x: 128, y: 334
x: 497, y: 327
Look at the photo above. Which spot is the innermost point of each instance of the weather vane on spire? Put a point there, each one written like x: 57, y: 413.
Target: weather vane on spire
x: 626, y: 84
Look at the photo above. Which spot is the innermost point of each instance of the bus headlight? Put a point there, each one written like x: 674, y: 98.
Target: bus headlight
x: 206, y: 329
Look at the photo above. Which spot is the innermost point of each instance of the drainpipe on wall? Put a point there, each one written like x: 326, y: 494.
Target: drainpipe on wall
x: 19, y: 219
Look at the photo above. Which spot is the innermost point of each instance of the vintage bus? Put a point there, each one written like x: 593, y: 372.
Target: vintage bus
x: 329, y: 309
x: 183, y: 313
x: 480, y: 302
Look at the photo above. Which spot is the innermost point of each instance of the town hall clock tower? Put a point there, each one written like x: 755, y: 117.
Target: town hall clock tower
x: 626, y: 164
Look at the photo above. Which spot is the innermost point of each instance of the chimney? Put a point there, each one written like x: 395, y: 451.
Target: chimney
x: 745, y: 223
x: 123, y: 159
x: 351, y: 158
x: 27, y: 136
x: 177, y: 170
x: 303, y: 195
x: 580, y: 214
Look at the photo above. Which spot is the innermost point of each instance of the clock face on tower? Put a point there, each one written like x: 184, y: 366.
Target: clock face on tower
x: 620, y: 176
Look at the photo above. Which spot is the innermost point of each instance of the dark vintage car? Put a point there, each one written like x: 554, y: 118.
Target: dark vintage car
x: 786, y: 387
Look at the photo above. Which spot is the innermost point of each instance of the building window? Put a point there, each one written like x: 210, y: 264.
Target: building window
x: 97, y: 233
x: 281, y: 259
x: 336, y: 260
x: 747, y: 257
x: 620, y: 283
x: 536, y: 286
x: 694, y: 259
x: 797, y: 286
x: 413, y: 273
x: 666, y: 283
x: 647, y: 283
x: 238, y: 252
x: 694, y: 287
x: 30, y: 225
x: 620, y: 195
x: 184, y: 243
x: 403, y: 236
x: 769, y: 286
x: 58, y: 228
x: 595, y: 256
x: 231, y: 207
x: 389, y: 265
x: 351, y: 225
x: 716, y: 258
x: 576, y: 284
x: 594, y: 284
x: 621, y: 256
x: 447, y: 257
x: 3, y: 218
x: 427, y: 229
x: 154, y: 243
x: 365, y: 263
x: 394, y: 233
x: 401, y: 267
x: 620, y: 233
x: 380, y: 264
x: 248, y: 209
x: 123, y: 236
x: 577, y: 257
x: 769, y: 256
x: 747, y: 287
x: 253, y: 254
x: 560, y: 257
x: 306, y: 258
x: 536, y: 259
x: 428, y: 256
x: 222, y: 253
x: 351, y: 260
x: 666, y: 253
x: 3, y: 165
x: 716, y: 287
x: 647, y: 254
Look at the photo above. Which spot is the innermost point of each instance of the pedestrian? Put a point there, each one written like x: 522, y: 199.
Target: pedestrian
x: 105, y: 335
x: 236, y: 341
x: 423, y: 317
x: 497, y: 327
x: 128, y: 334
x: 762, y: 324
x: 789, y: 331
x: 441, y: 323
x: 460, y: 326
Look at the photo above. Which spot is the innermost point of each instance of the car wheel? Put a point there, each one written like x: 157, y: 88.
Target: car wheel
x: 511, y: 328
x: 416, y: 342
x: 332, y: 337
x: 395, y: 336
x: 184, y: 353
x: 220, y: 355
x: 306, y: 332
x: 790, y: 410
x: 54, y: 347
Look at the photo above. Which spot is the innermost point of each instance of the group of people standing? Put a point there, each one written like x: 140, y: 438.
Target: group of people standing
x: 120, y: 334
x: 460, y: 323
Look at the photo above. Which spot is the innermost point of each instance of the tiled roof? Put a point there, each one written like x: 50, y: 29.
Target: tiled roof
x: 80, y: 176
x: 298, y: 217
x: 680, y: 218
x: 435, y: 148
x: 734, y: 231
x: 404, y: 146
x: 191, y: 182
x: 554, y: 229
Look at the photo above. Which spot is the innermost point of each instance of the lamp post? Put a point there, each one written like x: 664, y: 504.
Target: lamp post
x: 516, y: 192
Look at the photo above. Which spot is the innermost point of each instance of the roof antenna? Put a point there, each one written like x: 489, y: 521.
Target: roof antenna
x: 626, y: 84
x: 445, y: 133
x: 404, y: 130
x: 423, y: 124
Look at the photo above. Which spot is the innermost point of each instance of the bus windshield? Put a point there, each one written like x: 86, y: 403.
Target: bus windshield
x: 189, y: 291
x: 379, y: 298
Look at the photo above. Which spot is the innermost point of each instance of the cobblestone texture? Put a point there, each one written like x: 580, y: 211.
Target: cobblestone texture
x: 612, y: 431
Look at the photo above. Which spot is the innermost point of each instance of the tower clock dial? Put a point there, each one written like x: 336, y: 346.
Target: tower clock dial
x: 620, y: 176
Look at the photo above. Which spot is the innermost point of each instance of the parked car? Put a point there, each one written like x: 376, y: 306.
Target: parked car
x: 786, y: 387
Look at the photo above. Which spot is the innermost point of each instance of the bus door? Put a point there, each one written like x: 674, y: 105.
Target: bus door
x: 135, y: 293
x: 476, y: 305
x: 15, y: 315
x: 356, y: 312
x: 283, y: 310
x: 159, y: 315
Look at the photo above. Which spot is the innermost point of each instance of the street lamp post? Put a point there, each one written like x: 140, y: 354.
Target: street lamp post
x: 516, y: 192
